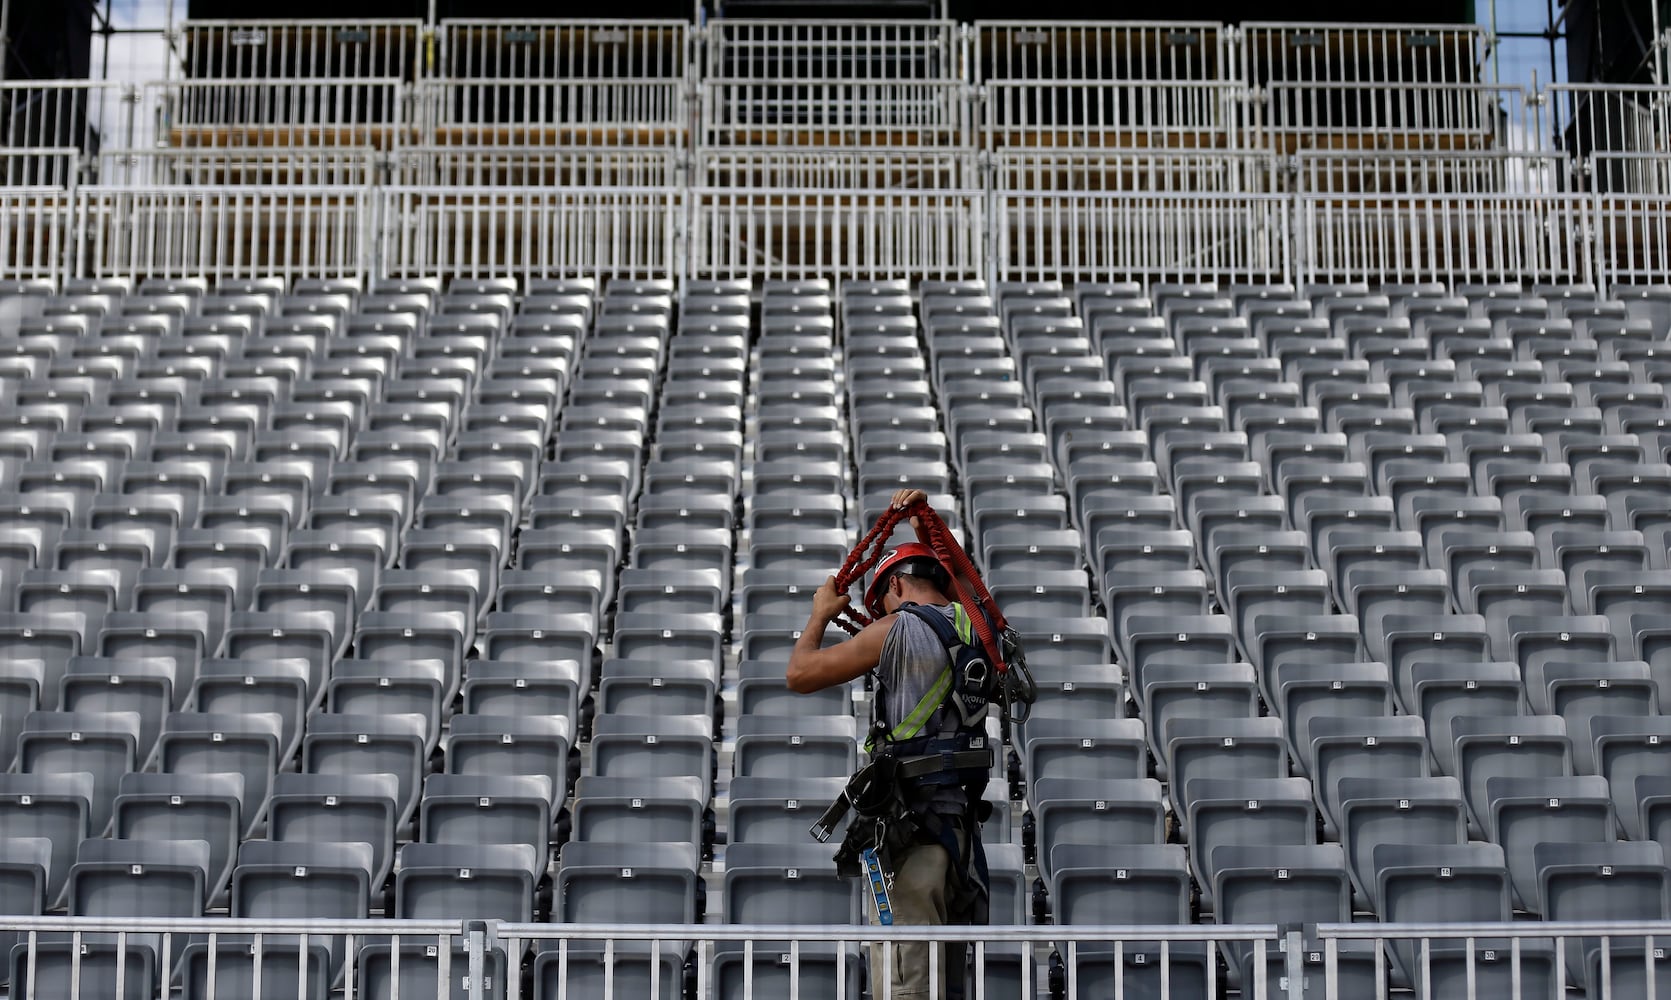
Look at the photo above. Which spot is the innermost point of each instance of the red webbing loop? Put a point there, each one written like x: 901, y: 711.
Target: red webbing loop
x: 967, y: 586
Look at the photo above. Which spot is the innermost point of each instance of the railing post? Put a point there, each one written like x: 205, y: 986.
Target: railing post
x: 5, y: 36
x: 1293, y: 948
x: 477, y: 935
x: 987, y: 238
x: 1598, y: 235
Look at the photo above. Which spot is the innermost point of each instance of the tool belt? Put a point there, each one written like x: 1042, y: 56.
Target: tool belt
x: 890, y: 798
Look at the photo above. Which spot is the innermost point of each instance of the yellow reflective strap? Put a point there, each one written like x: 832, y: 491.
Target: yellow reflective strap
x: 912, y: 724
x: 960, y: 620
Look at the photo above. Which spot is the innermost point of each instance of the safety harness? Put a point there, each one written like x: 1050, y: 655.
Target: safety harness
x: 893, y: 796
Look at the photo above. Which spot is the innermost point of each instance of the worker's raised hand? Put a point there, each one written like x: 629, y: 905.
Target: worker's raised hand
x: 907, y: 497
x: 827, y: 602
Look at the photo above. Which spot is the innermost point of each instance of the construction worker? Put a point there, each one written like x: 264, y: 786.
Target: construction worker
x: 918, y: 803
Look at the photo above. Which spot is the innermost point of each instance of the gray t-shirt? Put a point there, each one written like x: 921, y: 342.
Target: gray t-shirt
x: 915, y: 662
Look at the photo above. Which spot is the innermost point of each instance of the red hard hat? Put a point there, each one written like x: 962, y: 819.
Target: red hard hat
x: 910, y: 550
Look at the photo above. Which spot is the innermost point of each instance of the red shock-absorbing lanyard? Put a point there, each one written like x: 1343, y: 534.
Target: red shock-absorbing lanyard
x: 967, y: 586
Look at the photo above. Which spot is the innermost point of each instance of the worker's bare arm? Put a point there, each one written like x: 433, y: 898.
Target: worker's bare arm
x: 813, y: 666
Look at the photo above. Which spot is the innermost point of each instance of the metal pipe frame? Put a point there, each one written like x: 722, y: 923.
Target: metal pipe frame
x: 481, y: 946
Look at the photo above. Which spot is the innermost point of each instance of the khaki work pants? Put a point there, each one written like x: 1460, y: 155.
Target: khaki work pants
x: 918, y: 897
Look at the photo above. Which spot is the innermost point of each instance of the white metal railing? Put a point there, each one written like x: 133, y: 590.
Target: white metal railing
x: 1076, y: 114
x: 1419, y: 236
x: 877, y: 51
x: 223, y: 232
x: 1614, y: 118
x: 1633, y: 237
x: 1533, y: 956
x: 60, y: 956
x: 834, y: 111
x: 479, y: 959
x: 258, y: 50
x: 62, y: 114
x: 1634, y: 173
x: 37, y: 232
x: 535, y: 166
x: 1113, y: 234
x: 763, y: 147
x: 837, y: 169
x: 499, y: 49
x: 1098, y: 50
x: 1274, y: 51
x: 39, y: 166
x: 609, y: 231
x: 540, y: 112
x: 1462, y: 116
x: 280, y: 112
x: 794, y: 232
x: 239, y: 166
x: 1425, y: 172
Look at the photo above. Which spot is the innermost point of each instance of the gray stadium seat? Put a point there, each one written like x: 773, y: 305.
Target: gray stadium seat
x: 627, y: 883
x: 55, y: 808
x: 465, y: 881
x: 1074, y: 748
x: 1524, y: 812
x: 1580, y: 692
x: 587, y: 970
x: 1622, y: 880
x: 1286, y: 884
x: 102, y: 745
x: 1432, y: 883
x: 1506, y: 747
x: 338, y: 808
x: 1098, y: 885
x: 1443, y: 691
x: 390, y: 686
x: 1341, y: 690
x: 1198, y: 691
x: 1085, y: 812
x: 786, y: 884
x: 1627, y: 751
x: 795, y: 747
x: 638, y: 809
x: 1385, y: 747
x: 141, y: 687
x: 1222, y: 748
x: 512, y: 744
x: 277, y: 880
x: 206, y: 807
x: 117, y: 878
x: 25, y: 868
x: 1220, y: 813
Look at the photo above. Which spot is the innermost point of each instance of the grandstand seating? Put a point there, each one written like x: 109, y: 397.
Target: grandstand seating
x: 414, y: 473
x: 1355, y: 659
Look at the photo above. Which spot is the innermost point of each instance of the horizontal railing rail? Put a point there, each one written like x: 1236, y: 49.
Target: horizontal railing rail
x: 223, y: 232
x: 609, y: 231
x: 794, y: 232
x: 564, y: 111
x: 1111, y: 235
x: 280, y: 112
x: 1099, y: 50
x: 236, y: 166
x: 1103, y: 113
x: 223, y: 957
x: 1414, y: 236
x: 501, y: 49
x: 256, y: 49
x: 832, y: 111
